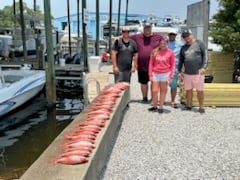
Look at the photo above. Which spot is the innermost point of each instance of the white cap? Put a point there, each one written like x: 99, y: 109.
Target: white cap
x: 125, y: 28
x: 147, y: 24
x: 173, y: 31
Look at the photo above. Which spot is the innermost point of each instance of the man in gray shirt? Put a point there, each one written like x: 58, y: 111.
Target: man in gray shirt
x: 193, y: 57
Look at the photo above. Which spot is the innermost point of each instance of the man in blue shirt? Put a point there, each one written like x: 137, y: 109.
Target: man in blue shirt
x: 175, y: 46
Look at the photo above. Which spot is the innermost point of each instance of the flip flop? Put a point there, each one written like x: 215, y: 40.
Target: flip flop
x: 174, y: 105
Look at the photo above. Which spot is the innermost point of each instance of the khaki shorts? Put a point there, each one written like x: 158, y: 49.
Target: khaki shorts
x: 194, y: 81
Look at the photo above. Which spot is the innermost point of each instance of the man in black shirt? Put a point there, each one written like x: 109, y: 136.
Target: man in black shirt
x: 124, y: 57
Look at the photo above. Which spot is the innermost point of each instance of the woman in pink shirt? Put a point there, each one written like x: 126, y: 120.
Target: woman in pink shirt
x: 161, y: 71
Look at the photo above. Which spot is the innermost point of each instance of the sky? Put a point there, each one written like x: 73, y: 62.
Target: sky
x: 156, y: 7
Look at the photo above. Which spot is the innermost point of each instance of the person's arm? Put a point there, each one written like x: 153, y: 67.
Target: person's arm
x: 204, y: 57
x: 181, y: 60
x: 114, y: 57
x: 135, y: 57
x: 172, y: 63
x: 150, y: 67
x: 180, y: 64
x: 135, y: 62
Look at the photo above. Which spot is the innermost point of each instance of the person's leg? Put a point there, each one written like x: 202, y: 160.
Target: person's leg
x: 163, y: 91
x: 188, y: 88
x: 200, y: 93
x: 126, y: 76
x: 116, y: 77
x: 200, y: 96
x: 173, y: 91
x: 173, y: 96
x: 143, y: 80
x: 189, y: 96
x: 144, y: 89
x: 155, y: 88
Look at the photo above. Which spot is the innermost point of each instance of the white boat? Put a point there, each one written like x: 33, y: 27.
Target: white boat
x: 134, y: 25
x: 17, y: 86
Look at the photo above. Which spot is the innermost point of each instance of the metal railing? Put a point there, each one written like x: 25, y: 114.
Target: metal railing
x: 85, y: 84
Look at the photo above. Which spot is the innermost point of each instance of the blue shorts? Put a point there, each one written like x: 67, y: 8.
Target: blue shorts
x: 174, y: 83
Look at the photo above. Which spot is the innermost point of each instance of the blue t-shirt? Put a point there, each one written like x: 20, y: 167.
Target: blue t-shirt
x: 175, y: 46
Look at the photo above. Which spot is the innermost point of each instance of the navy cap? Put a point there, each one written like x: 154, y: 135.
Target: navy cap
x: 186, y: 33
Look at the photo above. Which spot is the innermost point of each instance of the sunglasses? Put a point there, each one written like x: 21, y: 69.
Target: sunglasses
x: 125, y: 31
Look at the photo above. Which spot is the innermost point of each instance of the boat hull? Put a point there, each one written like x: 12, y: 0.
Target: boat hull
x: 28, y: 83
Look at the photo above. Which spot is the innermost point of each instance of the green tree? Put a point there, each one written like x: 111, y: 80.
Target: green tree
x: 225, y: 28
x: 7, y: 16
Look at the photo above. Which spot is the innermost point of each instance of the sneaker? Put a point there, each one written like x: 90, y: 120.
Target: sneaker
x: 187, y: 108
x: 152, y: 109
x: 201, y: 110
x: 160, y: 111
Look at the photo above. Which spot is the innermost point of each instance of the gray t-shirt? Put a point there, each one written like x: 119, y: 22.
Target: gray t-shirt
x: 125, y: 53
x: 193, y: 57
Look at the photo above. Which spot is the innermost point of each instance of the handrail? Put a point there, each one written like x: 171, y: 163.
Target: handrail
x: 85, y: 83
x: 2, y: 79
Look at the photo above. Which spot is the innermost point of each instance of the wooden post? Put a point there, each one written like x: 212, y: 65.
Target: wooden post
x: 126, y: 14
x: 119, y: 13
x: 69, y: 29
x: 85, y: 44
x: 23, y: 30
x: 110, y: 30
x: 50, y: 72
x: 97, y: 29
x: 78, y: 28
x: 14, y: 27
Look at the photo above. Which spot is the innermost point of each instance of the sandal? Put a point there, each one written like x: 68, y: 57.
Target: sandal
x: 174, y: 105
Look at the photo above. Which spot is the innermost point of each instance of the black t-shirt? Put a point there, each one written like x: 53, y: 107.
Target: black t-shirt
x: 125, y: 53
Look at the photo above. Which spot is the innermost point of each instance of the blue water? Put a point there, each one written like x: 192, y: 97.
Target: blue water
x: 23, y: 143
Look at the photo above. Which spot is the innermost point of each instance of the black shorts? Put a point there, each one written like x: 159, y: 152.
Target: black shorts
x: 143, y: 77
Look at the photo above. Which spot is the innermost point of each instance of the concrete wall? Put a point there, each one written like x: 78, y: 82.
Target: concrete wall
x: 41, y: 170
x: 198, y: 19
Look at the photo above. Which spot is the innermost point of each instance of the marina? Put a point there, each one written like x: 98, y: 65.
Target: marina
x: 124, y: 139
x: 35, y: 123
x: 33, y: 128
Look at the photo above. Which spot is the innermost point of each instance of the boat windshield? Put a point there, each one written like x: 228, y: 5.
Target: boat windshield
x: 12, y: 78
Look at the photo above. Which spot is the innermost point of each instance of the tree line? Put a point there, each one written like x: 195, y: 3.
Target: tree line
x: 10, y: 16
x: 225, y: 28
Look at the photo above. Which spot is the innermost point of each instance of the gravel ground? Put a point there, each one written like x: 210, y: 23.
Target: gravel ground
x: 176, y: 144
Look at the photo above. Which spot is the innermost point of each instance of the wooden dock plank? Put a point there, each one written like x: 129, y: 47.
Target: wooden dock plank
x: 217, y: 94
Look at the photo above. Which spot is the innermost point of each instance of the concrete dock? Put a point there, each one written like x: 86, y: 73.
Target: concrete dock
x: 138, y: 144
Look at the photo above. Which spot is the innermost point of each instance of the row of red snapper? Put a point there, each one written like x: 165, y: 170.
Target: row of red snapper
x: 80, y: 142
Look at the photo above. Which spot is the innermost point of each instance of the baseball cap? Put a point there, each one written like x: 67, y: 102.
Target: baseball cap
x: 147, y: 24
x: 186, y: 33
x: 173, y: 31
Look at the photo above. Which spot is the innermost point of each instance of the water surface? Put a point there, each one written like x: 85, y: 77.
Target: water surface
x: 22, y: 144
